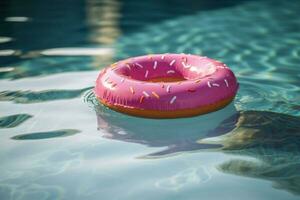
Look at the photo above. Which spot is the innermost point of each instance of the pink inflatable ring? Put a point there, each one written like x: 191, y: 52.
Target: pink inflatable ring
x: 166, y: 86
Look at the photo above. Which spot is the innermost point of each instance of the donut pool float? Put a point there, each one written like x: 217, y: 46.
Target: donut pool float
x: 166, y: 86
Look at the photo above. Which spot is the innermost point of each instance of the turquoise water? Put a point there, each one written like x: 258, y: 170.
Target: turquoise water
x: 57, y: 142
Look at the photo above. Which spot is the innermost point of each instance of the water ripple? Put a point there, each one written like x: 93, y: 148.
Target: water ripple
x: 46, y: 135
x: 13, y: 120
x: 42, y: 96
x: 273, y: 139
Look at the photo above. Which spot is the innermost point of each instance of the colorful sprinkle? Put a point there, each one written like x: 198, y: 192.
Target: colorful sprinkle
x: 131, y: 90
x: 185, y: 66
x: 114, y: 65
x: 172, y: 62
x: 142, y: 99
x: 128, y: 66
x: 216, y: 85
x: 155, y: 94
x: 173, y: 99
x: 226, y: 83
x: 146, y: 74
x: 208, y: 83
x: 170, y: 72
x: 168, y: 88
x: 146, y: 94
x: 122, y: 80
x: 155, y: 65
x: 163, y: 57
x: 198, y: 81
x: 138, y: 64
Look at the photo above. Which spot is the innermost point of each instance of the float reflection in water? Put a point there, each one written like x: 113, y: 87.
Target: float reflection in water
x: 177, y: 135
x: 273, y: 139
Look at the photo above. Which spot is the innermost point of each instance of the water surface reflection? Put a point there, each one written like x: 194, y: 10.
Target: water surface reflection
x: 272, y: 139
x: 178, y: 135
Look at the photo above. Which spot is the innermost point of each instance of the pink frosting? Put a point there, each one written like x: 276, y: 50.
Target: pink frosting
x: 126, y: 83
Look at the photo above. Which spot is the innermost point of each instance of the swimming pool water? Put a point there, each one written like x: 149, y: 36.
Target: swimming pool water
x: 58, y: 142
